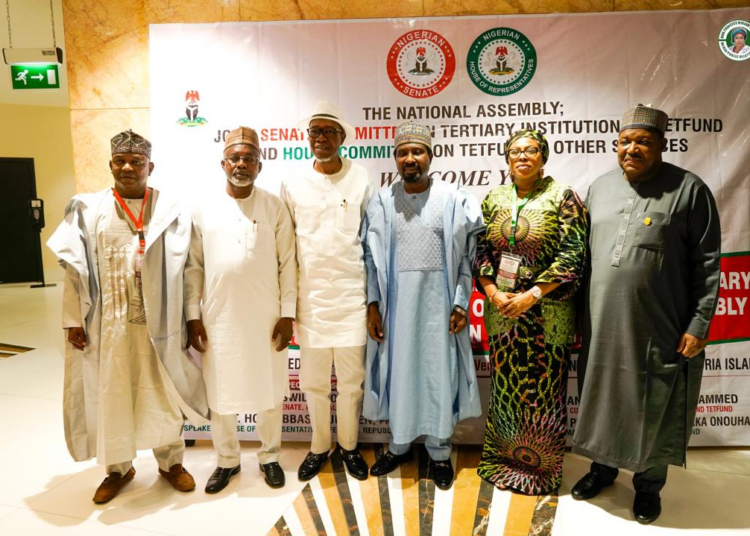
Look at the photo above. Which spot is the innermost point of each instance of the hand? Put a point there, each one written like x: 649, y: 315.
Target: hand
x: 285, y: 330
x: 77, y: 337
x: 375, y: 323
x: 499, y: 298
x: 457, y: 322
x: 517, y: 305
x: 197, y: 337
x: 691, y: 346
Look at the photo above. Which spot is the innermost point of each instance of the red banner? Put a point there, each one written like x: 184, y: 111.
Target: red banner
x: 731, y: 322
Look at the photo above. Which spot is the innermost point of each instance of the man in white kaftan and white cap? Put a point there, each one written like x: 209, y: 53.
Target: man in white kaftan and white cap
x: 327, y: 203
x: 128, y: 380
x: 242, y: 262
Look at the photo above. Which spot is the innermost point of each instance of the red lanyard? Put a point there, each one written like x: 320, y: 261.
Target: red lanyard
x: 139, y: 222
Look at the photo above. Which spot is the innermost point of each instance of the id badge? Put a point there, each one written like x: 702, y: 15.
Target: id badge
x: 136, y: 308
x: 507, y: 273
x: 138, y: 265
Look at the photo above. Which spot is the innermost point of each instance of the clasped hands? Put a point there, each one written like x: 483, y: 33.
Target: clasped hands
x: 512, y: 304
x: 198, y: 339
x: 456, y: 324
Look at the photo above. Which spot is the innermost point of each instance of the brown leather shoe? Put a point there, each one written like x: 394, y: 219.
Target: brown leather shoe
x: 111, y: 486
x: 178, y: 476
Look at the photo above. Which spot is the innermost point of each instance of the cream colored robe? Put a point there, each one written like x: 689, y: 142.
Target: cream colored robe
x: 91, y: 243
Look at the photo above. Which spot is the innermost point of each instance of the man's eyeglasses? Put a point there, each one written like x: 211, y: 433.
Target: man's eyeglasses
x: 328, y: 132
x: 529, y: 152
x: 249, y: 160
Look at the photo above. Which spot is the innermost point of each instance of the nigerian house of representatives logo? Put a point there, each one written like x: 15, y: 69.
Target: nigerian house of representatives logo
x: 191, y: 119
x: 421, y: 63
x: 733, y: 40
x: 501, y: 61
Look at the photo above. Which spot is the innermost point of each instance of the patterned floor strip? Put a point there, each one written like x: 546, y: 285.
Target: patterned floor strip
x: 312, y: 509
x: 520, y: 514
x: 410, y: 490
x: 475, y: 505
x: 385, y: 498
x: 465, y: 491
x: 12, y: 348
x: 426, y: 493
x: 339, y: 475
x: 544, y: 516
x: 333, y: 499
x: 371, y: 498
x: 484, y: 508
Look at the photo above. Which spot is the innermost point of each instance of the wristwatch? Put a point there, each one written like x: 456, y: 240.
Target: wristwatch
x: 536, y: 292
x: 460, y: 310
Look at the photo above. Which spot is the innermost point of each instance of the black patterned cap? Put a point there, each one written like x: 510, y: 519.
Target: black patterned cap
x: 645, y: 117
x: 130, y: 142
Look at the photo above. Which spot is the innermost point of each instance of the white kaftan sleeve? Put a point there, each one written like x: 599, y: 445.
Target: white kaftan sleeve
x: 194, y: 276
x: 72, y: 299
x: 286, y: 254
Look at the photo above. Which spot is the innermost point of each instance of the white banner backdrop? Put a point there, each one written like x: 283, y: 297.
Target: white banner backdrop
x: 475, y: 80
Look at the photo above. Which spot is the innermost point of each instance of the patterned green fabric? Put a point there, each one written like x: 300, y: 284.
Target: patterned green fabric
x: 526, y: 420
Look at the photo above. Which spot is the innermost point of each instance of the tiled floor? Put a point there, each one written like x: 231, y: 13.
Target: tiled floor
x: 42, y: 491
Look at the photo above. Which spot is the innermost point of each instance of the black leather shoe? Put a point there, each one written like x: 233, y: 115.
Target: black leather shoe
x: 588, y: 487
x: 355, y: 465
x: 442, y: 473
x: 646, y: 507
x: 388, y: 462
x: 274, y: 474
x: 311, y: 466
x: 220, y: 478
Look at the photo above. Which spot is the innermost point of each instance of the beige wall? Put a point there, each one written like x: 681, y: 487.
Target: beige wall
x: 108, y: 49
x: 42, y: 133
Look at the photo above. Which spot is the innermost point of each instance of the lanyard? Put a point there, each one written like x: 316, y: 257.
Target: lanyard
x: 517, y: 208
x: 138, y: 223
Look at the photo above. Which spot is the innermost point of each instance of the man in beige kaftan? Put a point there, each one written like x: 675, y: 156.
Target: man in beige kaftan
x: 242, y: 262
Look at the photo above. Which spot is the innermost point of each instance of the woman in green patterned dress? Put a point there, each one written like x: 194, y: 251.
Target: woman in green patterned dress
x: 529, y: 265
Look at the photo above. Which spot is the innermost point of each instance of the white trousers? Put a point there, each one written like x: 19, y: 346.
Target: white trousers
x: 227, y: 446
x: 315, y: 381
x: 166, y: 456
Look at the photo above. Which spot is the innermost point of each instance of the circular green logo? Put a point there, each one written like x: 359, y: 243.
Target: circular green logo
x: 501, y: 61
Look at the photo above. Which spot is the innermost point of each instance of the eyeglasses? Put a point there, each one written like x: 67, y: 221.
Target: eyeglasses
x: 328, y: 132
x: 528, y: 152
x: 249, y: 160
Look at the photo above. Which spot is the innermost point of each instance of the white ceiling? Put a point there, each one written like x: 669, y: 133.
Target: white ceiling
x: 31, y: 27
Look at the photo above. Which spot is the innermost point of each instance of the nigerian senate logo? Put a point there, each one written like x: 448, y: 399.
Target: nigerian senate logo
x: 501, y: 61
x: 421, y: 63
x: 191, y: 119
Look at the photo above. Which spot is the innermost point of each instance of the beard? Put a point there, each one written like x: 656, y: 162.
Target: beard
x: 412, y: 175
x: 324, y: 160
x: 240, y: 181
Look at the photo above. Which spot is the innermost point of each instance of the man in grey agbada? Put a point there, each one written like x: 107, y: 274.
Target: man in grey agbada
x: 128, y: 382
x: 652, y: 289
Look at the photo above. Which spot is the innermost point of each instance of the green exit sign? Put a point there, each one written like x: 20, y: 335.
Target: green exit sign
x: 35, y: 76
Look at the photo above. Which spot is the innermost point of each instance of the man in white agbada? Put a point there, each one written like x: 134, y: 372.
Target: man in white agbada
x: 242, y: 262
x: 127, y: 379
x: 327, y: 203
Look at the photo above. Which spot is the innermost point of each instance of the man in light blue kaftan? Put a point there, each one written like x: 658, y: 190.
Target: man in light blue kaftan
x: 420, y: 240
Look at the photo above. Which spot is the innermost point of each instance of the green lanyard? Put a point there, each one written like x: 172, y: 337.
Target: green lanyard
x: 517, y: 208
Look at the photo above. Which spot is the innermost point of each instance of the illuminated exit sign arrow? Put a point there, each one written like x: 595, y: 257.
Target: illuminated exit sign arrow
x: 35, y: 76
